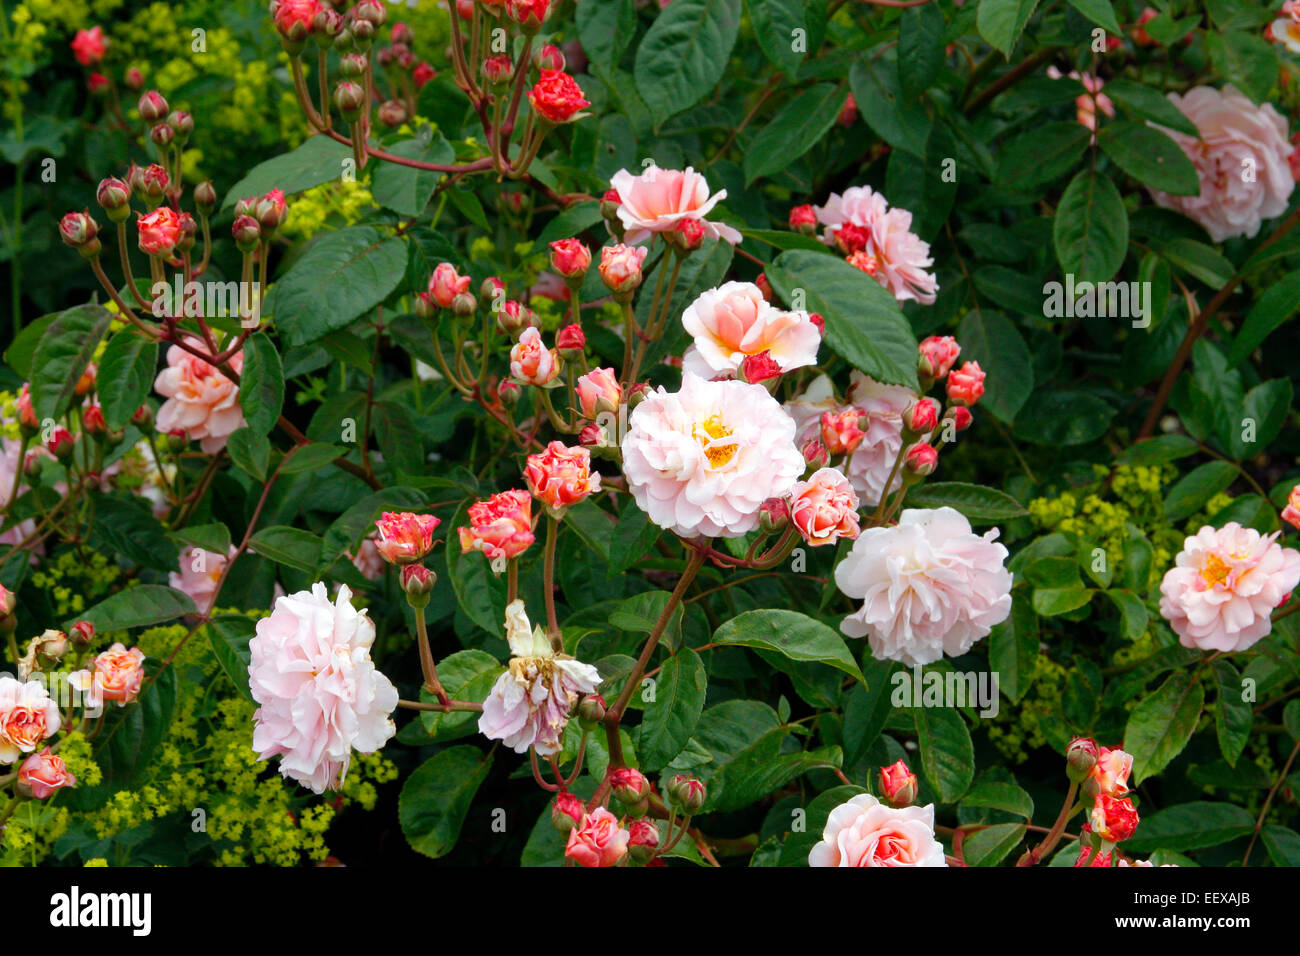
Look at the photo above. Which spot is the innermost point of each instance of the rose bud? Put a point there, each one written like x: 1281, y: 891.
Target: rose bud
x: 637, y: 392
x: 42, y: 774
x: 392, y: 114
x: 1113, y: 818
x: 143, y: 419
x: 687, y: 236
x: 760, y: 368
x: 492, y: 292
x: 591, y: 711
x: 182, y: 125
x: 803, y: 220
x: 89, y: 46
x: 514, y: 318
x: 97, y: 84
x: 205, y: 197
x: 422, y: 74
x: 82, y: 632
x: 92, y: 421
x: 152, y: 107
x: 8, y: 602
x: 815, y: 454
x: 630, y: 787
x: 446, y: 283
x: 773, y: 514
x: 570, y: 341
x: 425, y: 306
x: 920, y: 418
x: 1080, y: 757
x: 465, y: 9
x: 571, y: 259
x: 326, y: 26
x: 620, y: 269
x: 61, y: 443
x: 764, y: 286
x: 417, y: 581
x: 898, y: 784
x: 463, y: 305
x: 271, y: 211
x: 921, y: 460
x: 177, y: 440
x: 687, y: 793
x: 352, y: 65
x: 247, y: 232
x: 849, y: 112
x: 1291, y: 513
x: 78, y: 230
x: 591, y: 436
x: 134, y: 80
x: 549, y: 57
x: 816, y: 319
x: 966, y: 384
x: 936, y: 356
x: 567, y: 812
x: 153, y: 182
x: 557, y: 98
x: 508, y: 394
x: 498, y: 70
x: 350, y: 99
x: 609, y: 203
x: 1139, y: 34
x: 643, y: 840
x: 189, y: 231
x: 841, y: 431
x: 960, y: 417
x: 529, y: 14
x: 114, y: 197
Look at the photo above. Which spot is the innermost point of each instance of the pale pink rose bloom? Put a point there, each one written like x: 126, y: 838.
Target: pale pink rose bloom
x: 903, y: 258
x: 658, y: 199
x: 198, y: 576
x: 1225, y: 585
x: 824, y: 508
x: 860, y: 206
x: 532, y: 362
x: 873, y: 460
x: 866, y: 832
x: 368, y: 560
x: 598, y: 840
x: 598, y: 391
x: 27, y: 716
x: 321, y: 696
x: 1241, y: 158
x: 806, y: 409
x: 734, y: 321
x: 200, y: 400
x: 529, y: 705
x: 44, y: 773
x: 929, y: 586
x: 701, y: 461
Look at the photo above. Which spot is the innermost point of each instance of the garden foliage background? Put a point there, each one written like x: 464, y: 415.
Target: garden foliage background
x: 946, y: 109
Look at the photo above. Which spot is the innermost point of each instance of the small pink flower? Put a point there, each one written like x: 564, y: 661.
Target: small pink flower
x: 841, y: 433
x: 598, y: 840
x: 160, y: 230
x: 938, y: 356
x: 560, y: 476
x: 598, y: 391
x: 803, y: 217
x: 532, y: 362
x: 43, y: 773
x: 27, y: 716
x: 200, y: 400
x: 1291, y: 513
x: 866, y: 832
x: 921, y: 459
x: 898, y: 784
x: 571, y: 340
x: 445, y: 284
x: 405, y: 537
x: 89, y: 46
x: 658, y: 199
x: 620, y: 267
x: 198, y: 576
x: 759, y: 368
x: 500, y: 527
x: 557, y: 97
x: 966, y: 384
x: 570, y: 258
x: 824, y: 508
x: 1225, y: 585
x: 567, y: 811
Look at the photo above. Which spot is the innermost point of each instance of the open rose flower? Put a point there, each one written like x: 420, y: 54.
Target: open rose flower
x: 159, y: 231
x: 865, y: 832
x: 501, y: 527
x: 701, y: 461
x: 861, y: 221
x: 598, y: 840
x: 928, y: 586
x: 321, y: 696
x: 446, y: 283
x: 1113, y: 818
x: 201, y: 401
x: 43, y: 773
x: 658, y: 199
x: 734, y: 321
x: 824, y: 508
x: 198, y: 576
x: 530, y: 703
x: 1235, y: 136
x: 116, y: 675
x: 1224, y: 586
x: 598, y: 391
x: 27, y: 716
x: 531, y: 361
x: 561, y: 476
x: 405, y: 537
x: 557, y: 97
x: 89, y: 46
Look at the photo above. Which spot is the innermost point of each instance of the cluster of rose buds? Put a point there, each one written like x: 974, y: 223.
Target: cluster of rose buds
x: 600, y: 837
x: 1103, y: 773
x: 404, y: 540
x: 964, y: 386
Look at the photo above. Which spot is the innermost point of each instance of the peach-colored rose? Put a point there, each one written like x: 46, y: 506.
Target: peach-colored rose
x: 43, y: 773
x: 27, y: 716
x: 598, y: 391
x: 446, y: 283
x: 620, y: 267
x: 119, y: 673
x: 865, y: 832
x: 1111, y: 771
x: 532, y: 362
x: 734, y: 321
x: 658, y: 199
x: 500, y: 527
x: 561, y: 476
x: 1291, y: 513
x: 824, y: 508
x: 200, y: 400
x: 598, y: 840
x: 159, y: 231
x: 198, y: 576
x: 1241, y: 158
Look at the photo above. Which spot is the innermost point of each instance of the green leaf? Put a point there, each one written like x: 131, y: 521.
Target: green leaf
x: 261, y: 384
x: 605, y: 30
x: 634, y: 535
x: 1246, y: 60
x: 341, y: 275
x: 997, y: 795
x: 947, y: 755
x: 465, y: 675
x: 1150, y: 157
x: 20, y: 351
x: 1001, y: 22
x: 797, y: 846
x: 1198, y: 486
x: 1291, y: 719
x: 1282, y: 844
x: 127, y: 526
x: 316, y: 161
x: 206, y: 537
x: 406, y: 189
x: 1042, y: 154
x: 1232, y: 715
x: 141, y: 606
x: 1264, y: 412
x: 292, y: 546
x: 1051, y: 602
x: 990, y: 846
x: 671, y: 717
x: 977, y: 502
x: 61, y: 356
x: 1090, y: 230
x: 228, y: 635
x: 1099, y: 12
x: 794, y: 130
x: 1198, y: 260
x: 774, y: 23
x: 989, y: 338
x: 1278, y: 303
x: 866, y: 709
x: 639, y: 613
x: 126, y: 375
x: 436, y: 797
x: 575, y: 219
x: 249, y: 451
x: 1156, y: 451
x: 1190, y: 826
x: 1013, y: 650
x: 684, y: 54
x: 1160, y: 726
x: 1132, y: 612
x: 398, y: 437
x: 920, y: 48
x: 911, y: 183
x: 1061, y: 417
x: 309, y: 457
x: 864, y: 324
x: 790, y: 633
x: 759, y: 770
x: 1149, y: 104
x: 880, y: 100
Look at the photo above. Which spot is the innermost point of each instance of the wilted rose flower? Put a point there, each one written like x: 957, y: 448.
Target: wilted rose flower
x: 43, y: 773
x: 865, y: 832
x: 27, y: 716
x: 929, y: 586
x: 500, y: 527
x: 321, y: 696
x: 200, y: 400
x: 561, y: 476
x: 598, y: 840
x: 734, y: 321
x: 658, y: 199
x: 824, y: 508
x: 1224, y: 586
x: 1110, y: 773
x: 532, y: 362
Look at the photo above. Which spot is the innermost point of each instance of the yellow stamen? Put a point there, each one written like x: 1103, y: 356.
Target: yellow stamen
x: 1216, y: 570
x: 714, y: 430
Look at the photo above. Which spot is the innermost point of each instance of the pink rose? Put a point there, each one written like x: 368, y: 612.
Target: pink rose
x: 200, y: 400
x: 532, y: 362
x: 735, y: 321
x: 1241, y: 157
x: 89, y: 46
x: 840, y: 432
x: 27, y: 716
x: 160, y: 230
x: 405, y: 537
x: 658, y: 199
x: 938, y: 355
x: 570, y: 258
x: 865, y: 832
x: 446, y: 283
x: 898, y: 784
x: 620, y: 267
x: 560, y: 476
x: 501, y: 527
x: 43, y: 773
x: 557, y: 97
x: 966, y: 384
x: 598, y: 840
x: 598, y: 391
x: 199, y: 573
x: 824, y: 508
x: 1291, y: 513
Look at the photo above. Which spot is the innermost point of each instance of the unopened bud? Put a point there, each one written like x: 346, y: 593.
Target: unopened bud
x: 567, y: 812
x: 114, y: 197
x: 686, y: 793
x: 1080, y: 757
x: 152, y: 107
x: 205, y: 197
x: 921, y: 460
x: 898, y: 784
x: 417, y: 582
x: 643, y: 840
x: 591, y: 711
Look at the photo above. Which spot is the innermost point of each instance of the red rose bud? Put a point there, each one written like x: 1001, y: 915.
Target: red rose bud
x: 499, y: 70
x: 244, y: 207
x: 78, y: 230
x: 966, y: 384
x: 465, y: 9
x: 134, y: 80
x: 97, y: 84
x: 557, y: 97
x: 773, y: 514
x: 189, y: 231
x: 326, y: 27
x: 591, y: 711
x: 152, y: 107
x: 151, y: 184
x: 417, y: 582
x: 422, y: 74
x: 114, y: 197
x: 764, y: 286
x: 425, y: 305
x: 143, y: 419
x: 1113, y: 819
x: 571, y: 340
x: 352, y: 65
x: 401, y: 33
x: 687, y: 793
x: 387, y: 57
x: 841, y: 431
x: 61, y: 443
x: 937, y: 354
x: 570, y: 258
x: 816, y: 319
x: 590, y: 436
x: 635, y: 394
x: 529, y: 14
x: 1080, y: 757
x: 921, y: 460
x: 549, y: 57
x: 349, y: 98
x: 815, y: 454
x: 26, y: 417
x: 687, y: 236
x: 643, y: 840
x: 370, y: 11
x: 81, y: 633
x: 849, y: 112
x: 921, y: 417
x: 609, y: 204
x: 1139, y: 34
x: 92, y: 421
x: 490, y: 290
x: 804, y: 220
x: 759, y: 368
x: 247, y: 232
x: 567, y: 812
x: 271, y: 211
x: 205, y: 197
x: 629, y: 785
x: 41, y: 775
x: 177, y: 440
x: 898, y: 784
x: 513, y: 318
x: 961, y: 418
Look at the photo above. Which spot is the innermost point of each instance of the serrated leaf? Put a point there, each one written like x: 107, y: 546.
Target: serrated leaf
x: 436, y: 797
x: 791, y: 634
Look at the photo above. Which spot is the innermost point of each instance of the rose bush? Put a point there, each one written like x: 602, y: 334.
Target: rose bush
x: 628, y: 433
